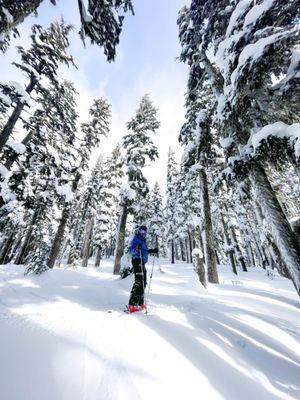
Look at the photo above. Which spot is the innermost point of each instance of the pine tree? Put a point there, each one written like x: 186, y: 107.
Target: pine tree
x: 156, y: 222
x: 171, y: 206
x: 92, y: 131
x: 250, y: 44
x: 41, y: 181
x: 114, y: 166
x: 102, y: 23
x: 47, y: 51
x: 139, y: 147
x: 196, y: 135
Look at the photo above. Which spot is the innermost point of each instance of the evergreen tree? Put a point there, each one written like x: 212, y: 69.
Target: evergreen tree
x: 114, y: 167
x: 239, y: 49
x: 171, y: 206
x: 102, y: 23
x: 156, y: 222
x: 92, y: 131
x: 47, y: 51
x: 139, y: 147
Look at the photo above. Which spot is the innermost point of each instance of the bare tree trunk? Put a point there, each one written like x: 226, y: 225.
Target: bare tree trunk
x: 62, y: 252
x: 15, y: 248
x: 120, y: 240
x: 210, y: 255
x: 58, y: 239
x: 201, y: 245
x: 199, y: 268
x: 229, y: 250
x: 283, y: 234
x: 217, y: 258
x: 172, y: 252
x: 190, y: 246
x: 5, y: 248
x: 183, y: 257
x: 24, y: 247
x: 254, y: 234
x: 87, y: 242
x: 98, y: 257
x: 187, y: 251
x: 238, y: 251
x: 250, y: 255
x: 273, y: 252
x: 176, y: 251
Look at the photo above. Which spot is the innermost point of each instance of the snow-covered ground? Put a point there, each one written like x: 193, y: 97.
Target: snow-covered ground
x: 235, y: 341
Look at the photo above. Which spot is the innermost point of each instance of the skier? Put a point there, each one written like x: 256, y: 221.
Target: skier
x: 139, y: 257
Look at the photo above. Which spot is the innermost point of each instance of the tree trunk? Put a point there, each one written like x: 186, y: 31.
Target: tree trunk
x: 15, y: 248
x: 183, y: 257
x: 217, y: 258
x: 251, y: 256
x: 255, y: 234
x: 24, y: 247
x: 11, y: 123
x: 187, y: 251
x: 172, y: 252
x: 190, y: 245
x: 62, y: 252
x: 238, y: 251
x: 229, y: 250
x: 87, y: 242
x: 202, y: 245
x: 209, y: 245
x: 6, y: 246
x: 199, y: 268
x: 176, y: 251
x: 284, y: 236
x: 58, y: 239
x: 59, y: 236
x: 120, y: 240
x: 98, y: 257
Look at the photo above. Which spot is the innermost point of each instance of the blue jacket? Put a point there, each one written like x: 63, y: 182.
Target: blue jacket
x: 139, y: 247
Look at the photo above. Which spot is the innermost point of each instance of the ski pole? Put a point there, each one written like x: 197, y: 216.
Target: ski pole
x: 149, y: 286
x: 142, y: 269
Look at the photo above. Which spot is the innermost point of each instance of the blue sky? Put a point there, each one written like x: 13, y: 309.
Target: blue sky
x: 146, y: 63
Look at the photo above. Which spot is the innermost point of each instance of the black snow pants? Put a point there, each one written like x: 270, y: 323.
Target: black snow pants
x: 138, y: 288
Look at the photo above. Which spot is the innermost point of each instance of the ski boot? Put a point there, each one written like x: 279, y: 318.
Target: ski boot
x: 133, y: 309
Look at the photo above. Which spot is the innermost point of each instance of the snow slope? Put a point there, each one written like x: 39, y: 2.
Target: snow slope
x: 238, y: 340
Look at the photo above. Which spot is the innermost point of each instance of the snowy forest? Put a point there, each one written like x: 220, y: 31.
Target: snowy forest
x: 229, y: 206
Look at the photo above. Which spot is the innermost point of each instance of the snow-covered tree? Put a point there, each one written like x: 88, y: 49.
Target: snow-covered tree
x: 248, y: 52
x: 139, y: 147
x: 92, y: 131
x: 40, y: 181
x: 196, y: 135
x: 101, y: 22
x: 47, y: 51
x: 171, y: 205
x: 114, y: 167
x: 156, y: 222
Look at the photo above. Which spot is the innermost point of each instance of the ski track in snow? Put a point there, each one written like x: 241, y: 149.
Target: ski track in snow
x: 237, y: 340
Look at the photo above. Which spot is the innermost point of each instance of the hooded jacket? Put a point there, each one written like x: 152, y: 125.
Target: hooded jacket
x: 139, y: 248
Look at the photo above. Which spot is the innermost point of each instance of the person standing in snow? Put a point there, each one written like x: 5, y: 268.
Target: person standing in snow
x: 139, y: 256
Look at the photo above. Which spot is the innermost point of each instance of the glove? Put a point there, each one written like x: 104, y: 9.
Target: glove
x: 153, y: 251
